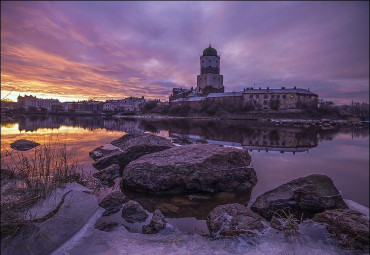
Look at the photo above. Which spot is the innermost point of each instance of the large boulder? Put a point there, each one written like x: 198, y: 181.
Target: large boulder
x: 190, y: 169
x: 303, y: 196
x: 349, y: 226
x: 23, y: 145
x: 133, y: 212
x: 232, y: 220
x: 107, y: 175
x: 128, y: 148
x: 156, y: 224
x: 113, y: 202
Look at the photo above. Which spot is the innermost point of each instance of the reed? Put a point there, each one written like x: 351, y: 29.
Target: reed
x: 28, y: 177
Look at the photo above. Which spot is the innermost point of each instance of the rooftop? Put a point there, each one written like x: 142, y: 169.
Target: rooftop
x: 278, y: 91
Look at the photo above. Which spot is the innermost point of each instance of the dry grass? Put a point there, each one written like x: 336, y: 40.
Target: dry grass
x: 34, y: 176
x: 289, y: 223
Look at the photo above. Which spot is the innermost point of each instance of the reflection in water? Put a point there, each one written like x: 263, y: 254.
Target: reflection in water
x: 190, y: 205
x: 250, y: 135
x: 340, y: 153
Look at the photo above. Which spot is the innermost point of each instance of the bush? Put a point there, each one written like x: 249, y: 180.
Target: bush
x: 32, y: 109
x: 275, y: 104
x: 149, y: 105
x: 181, y: 111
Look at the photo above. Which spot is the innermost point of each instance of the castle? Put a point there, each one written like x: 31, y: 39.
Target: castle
x: 210, y: 90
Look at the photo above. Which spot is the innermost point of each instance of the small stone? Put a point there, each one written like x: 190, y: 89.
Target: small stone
x: 133, y: 212
x: 156, y: 224
x: 113, y: 202
x: 232, y: 220
x: 23, y: 145
x: 107, y: 175
x: 106, y: 226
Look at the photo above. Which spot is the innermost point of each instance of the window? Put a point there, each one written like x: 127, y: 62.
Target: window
x: 278, y: 96
x: 291, y: 96
x: 209, y: 60
x: 284, y: 96
x: 266, y: 96
x: 250, y: 96
x: 272, y: 96
x: 257, y: 96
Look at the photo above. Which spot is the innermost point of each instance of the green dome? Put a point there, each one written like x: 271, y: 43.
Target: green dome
x: 210, y: 51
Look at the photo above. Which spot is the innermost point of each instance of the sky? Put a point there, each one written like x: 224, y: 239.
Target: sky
x: 111, y: 50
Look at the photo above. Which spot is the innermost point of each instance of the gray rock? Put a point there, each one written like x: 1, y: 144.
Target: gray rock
x: 307, y: 195
x: 113, y: 203
x: 107, y: 175
x: 232, y: 220
x: 23, y: 145
x: 191, y: 169
x: 349, y: 226
x: 103, y: 151
x: 130, y: 147
x: 106, y: 226
x: 133, y: 212
x: 156, y: 224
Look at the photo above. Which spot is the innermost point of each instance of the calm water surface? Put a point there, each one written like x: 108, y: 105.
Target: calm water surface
x: 279, y: 154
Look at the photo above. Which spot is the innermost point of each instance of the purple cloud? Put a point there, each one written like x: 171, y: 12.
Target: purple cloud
x: 118, y: 49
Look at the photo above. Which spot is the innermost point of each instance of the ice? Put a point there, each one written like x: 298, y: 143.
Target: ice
x: 312, y: 240
x: 357, y: 207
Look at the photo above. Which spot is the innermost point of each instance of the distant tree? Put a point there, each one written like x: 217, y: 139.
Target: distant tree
x: 57, y: 108
x: 32, y: 109
x: 43, y: 110
x: 275, y: 104
x: 149, y: 105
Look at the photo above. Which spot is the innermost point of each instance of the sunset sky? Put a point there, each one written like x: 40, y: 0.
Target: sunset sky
x: 105, y: 50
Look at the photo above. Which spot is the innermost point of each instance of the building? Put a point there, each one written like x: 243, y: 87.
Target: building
x: 130, y: 104
x: 210, y: 90
x: 31, y: 101
x: 180, y: 93
x: 209, y: 80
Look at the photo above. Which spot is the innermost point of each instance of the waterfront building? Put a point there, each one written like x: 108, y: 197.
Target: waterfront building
x: 130, y: 104
x: 31, y: 101
x: 210, y: 90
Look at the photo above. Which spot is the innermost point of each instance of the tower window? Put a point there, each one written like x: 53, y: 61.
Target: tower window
x: 209, y: 60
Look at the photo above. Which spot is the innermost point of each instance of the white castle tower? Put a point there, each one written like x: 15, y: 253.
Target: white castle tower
x: 209, y: 80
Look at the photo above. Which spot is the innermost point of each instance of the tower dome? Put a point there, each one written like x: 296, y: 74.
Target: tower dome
x: 210, y: 51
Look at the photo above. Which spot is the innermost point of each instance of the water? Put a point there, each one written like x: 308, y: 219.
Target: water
x: 279, y: 154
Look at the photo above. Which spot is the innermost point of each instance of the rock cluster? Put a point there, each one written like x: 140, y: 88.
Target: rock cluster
x: 190, y: 169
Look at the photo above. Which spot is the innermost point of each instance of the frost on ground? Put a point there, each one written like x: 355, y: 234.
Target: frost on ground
x: 311, y: 240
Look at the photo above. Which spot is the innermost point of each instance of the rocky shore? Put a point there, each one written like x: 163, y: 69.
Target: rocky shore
x: 206, y: 169
x: 158, y: 182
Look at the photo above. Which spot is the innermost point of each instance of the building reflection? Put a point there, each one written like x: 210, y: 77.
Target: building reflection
x: 251, y: 135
